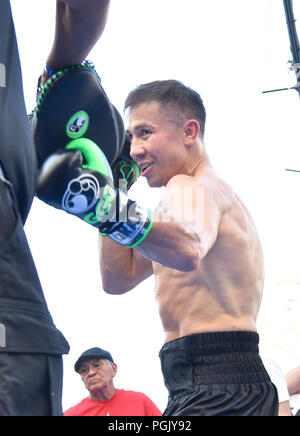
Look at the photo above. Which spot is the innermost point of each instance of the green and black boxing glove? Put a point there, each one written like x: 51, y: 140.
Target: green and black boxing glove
x: 79, y: 180
x: 125, y: 170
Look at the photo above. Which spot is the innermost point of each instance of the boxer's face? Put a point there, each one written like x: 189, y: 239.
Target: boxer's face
x: 157, y: 143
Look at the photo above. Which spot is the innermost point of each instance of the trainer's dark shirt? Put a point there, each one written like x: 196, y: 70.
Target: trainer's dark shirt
x: 26, y: 324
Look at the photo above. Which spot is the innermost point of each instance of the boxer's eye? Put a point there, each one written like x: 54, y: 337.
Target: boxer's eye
x: 145, y: 132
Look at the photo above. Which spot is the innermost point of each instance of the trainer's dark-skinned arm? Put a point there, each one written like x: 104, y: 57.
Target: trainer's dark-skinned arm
x: 79, y: 25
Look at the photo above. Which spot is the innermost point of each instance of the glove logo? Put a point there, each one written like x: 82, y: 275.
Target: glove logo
x: 81, y: 195
x: 78, y: 125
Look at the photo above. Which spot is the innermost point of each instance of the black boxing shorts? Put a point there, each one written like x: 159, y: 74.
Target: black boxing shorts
x: 217, y: 374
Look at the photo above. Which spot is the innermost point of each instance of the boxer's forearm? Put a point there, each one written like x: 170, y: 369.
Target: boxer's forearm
x: 293, y: 381
x: 169, y: 244
x: 79, y: 25
x: 122, y: 268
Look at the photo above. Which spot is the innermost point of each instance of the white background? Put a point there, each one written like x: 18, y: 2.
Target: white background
x: 229, y: 51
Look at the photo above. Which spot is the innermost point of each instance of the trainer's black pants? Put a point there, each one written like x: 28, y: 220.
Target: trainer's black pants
x: 30, y: 385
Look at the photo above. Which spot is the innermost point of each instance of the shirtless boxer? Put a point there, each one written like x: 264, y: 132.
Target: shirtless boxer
x: 205, y: 253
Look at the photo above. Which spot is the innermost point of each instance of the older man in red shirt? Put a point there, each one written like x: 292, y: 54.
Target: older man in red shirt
x: 97, y: 370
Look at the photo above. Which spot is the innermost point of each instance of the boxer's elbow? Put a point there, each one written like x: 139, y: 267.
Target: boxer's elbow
x: 119, y: 288
x: 189, y: 264
x: 115, y: 279
x: 189, y: 261
x: 116, y: 291
x: 185, y: 256
x: 191, y: 252
x: 114, y: 284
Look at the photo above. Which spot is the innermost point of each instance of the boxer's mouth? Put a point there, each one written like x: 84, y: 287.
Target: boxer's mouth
x: 144, y: 167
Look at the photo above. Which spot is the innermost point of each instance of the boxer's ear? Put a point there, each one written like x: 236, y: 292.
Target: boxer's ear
x: 191, y: 132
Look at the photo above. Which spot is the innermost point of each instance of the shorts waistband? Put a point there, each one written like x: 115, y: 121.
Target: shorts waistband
x: 215, y: 342
x: 212, y: 358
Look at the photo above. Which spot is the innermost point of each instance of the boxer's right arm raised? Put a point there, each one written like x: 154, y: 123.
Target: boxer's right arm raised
x: 177, y: 242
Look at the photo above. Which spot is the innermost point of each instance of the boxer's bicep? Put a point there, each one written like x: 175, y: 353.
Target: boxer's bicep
x: 186, y: 227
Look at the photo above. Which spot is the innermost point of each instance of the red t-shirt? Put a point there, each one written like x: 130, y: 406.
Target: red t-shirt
x: 123, y: 403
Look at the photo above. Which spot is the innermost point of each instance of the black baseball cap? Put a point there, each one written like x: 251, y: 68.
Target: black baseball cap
x: 93, y: 353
